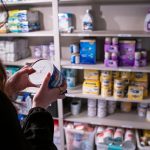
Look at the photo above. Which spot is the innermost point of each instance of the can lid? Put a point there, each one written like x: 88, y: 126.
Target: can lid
x: 42, y: 67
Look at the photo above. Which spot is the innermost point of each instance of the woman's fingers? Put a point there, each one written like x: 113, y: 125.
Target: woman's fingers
x: 27, y: 70
x: 45, y: 82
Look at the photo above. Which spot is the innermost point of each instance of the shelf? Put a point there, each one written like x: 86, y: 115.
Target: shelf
x: 20, y: 63
x: 29, y: 3
x: 28, y: 34
x: 107, y: 34
x: 119, y: 119
x: 77, y: 93
x: 103, y: 1
x: 100, y: 66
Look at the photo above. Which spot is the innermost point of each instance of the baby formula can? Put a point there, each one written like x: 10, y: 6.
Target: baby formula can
x: 92, y: 103
x: 42, y: 67
x: 118, y: 136
x: 106, y: 75
x: 129, y: 142
x: 74, y: 48
x: 108, y: 135
x: 75, y: 59
x: 137, y: 55
x: 118, y: 84
x: 137, y: 63
x: 106, y: 92
x: 143, y: 54
x: 118, y: 93
x: 107, y: 55
x: 126, y: 106
x: 106, y: 83
x: 92, y: 111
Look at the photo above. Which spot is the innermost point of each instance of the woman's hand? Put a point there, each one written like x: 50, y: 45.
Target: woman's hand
x: 19, y: 81
x: 46, y: 96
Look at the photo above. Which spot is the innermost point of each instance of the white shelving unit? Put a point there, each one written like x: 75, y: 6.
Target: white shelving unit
x: 118, y: 119
x: 129, y: 120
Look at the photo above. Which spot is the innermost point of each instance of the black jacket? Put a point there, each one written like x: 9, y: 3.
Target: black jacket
x: 37, y: 132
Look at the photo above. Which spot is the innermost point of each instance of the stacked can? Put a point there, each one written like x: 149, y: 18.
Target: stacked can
x: 111, y: 107
x: 140, y: 59
x: 102, y: 108
x: 108, y: 135
x: 45, y: 51
x: 52, y: 51
x: 142, y: 109
x: 129, y: 142
x: 75, y: 56
x: 126, y: 77
x: 118, y: 136
x: 71, y: 76
x: 100, y: 135
x: 106, y: 83
x: 118, y: 88
x: 92, y: 103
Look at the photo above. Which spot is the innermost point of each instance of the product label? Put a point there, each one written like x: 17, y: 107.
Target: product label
x: 87, y: 26
x: 148, y: 26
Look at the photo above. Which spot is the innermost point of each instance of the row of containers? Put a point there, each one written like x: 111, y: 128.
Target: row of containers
x: 81, y: 136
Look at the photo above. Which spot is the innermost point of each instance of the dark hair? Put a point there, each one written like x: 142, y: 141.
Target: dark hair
x: 3, y: 76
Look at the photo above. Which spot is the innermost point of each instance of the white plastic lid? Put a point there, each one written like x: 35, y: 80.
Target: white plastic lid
x: 42, y: 68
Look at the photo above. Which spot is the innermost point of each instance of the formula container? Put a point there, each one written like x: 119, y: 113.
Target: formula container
x: 142, y: 109
x: 91, y: 111
x: 147, y: 22
x: 118, y: 84
x: 102, y: 108
x: 106, y: 92
x: 71, y: 82
x: 111, y: 107
x: 91, y: 74
x: 148, y: 115
x: 106, y: 83
x: 42, y: 68
x: 65, y: 21
x: 115, y: 74
x: 118, y: 93
x: 74, y: 48
x: 108, y: 135
x: 126, y: 106
x: 92, y: 107
x: 87, y: 22
x: 129, y: 142
x: 92, y: 103
x: 99, y: 138
x: 118, y: 136
x: 106, y: 75
x: 75, y: 58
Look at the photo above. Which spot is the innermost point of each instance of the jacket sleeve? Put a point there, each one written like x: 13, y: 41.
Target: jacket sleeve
x: 11, y: 135
x: 38, y: 129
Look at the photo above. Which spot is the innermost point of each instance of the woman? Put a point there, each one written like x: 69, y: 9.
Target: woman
x: 38, y: 128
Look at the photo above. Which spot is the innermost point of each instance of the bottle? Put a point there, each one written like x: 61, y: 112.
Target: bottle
x: 147, y: 22
x: 87, y: 22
